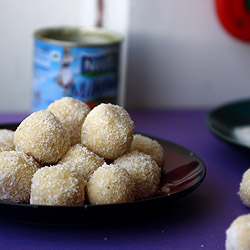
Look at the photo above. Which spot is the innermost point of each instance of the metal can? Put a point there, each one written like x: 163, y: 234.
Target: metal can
x: 82, y: 63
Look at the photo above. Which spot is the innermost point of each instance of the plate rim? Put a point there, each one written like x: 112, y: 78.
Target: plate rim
x: 220, y: 135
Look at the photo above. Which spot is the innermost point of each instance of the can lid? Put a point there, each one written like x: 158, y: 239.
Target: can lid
x: 78, y: 36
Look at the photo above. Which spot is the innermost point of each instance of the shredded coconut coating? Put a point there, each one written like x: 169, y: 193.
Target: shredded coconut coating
x: 58, y: 185
x: 83, y: 159
x: 237, y: 235
x: 108, y: 131
x: 7, y: 138
x: 144, y: 170
x: 42, y: 136
x: 110, y: 184
x: 149, y: 146
x: 71, y: 112
x: 16, y: 172
x: 244, y: 191
x: 5, y: 147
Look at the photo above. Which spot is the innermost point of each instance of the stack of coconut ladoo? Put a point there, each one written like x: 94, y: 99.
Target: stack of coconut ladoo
x: 68, y: 154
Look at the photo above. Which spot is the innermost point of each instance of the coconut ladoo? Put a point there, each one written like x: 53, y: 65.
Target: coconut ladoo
x: 110, y: 184
x: 71, y: 113
x: 144, y: 170
x: 58, y: 185
x: 7, y: 138
x: 149, y: 146
x: 83, y: 159
x: 237, y: 235
x: 42, y: 136
x: 16, y: 172
x: 108, y: 131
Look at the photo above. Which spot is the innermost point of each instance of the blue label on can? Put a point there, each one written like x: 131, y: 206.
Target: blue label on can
x: 89, y: 74
x: 99, y: 63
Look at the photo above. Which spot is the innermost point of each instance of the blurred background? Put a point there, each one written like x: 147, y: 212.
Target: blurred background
x: 175, y: 54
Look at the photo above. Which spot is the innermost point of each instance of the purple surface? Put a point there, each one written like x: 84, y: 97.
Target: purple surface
x: 12, y: 117
x: 197, y: 221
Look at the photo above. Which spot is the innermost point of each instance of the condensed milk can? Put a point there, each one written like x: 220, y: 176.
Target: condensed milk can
x: 82, y: 63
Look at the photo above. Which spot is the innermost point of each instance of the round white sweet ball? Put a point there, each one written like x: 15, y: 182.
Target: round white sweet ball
x: 7, y: 138
x: 149, y: 146
x: 237, y: 235
x: 144, y: 170
x: 83, y: 159
x: 110, y: 184
x: 71, y: 113
x: 244, y: 191
x: 58, y: 185
x: 42, y: 136
x: 108, y: 131
x: 16, y: 172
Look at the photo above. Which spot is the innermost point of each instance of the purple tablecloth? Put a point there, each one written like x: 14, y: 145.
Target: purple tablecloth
x: 198, y: 221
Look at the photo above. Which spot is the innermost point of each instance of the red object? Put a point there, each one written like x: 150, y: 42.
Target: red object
x: 91, y: 104
x: 235, y: 17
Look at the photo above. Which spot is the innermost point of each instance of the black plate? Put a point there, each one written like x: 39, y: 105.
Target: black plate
x: 224, y: 120
x: 183, y: 172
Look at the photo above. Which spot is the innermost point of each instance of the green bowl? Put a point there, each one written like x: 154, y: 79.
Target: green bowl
x: 224, y: 120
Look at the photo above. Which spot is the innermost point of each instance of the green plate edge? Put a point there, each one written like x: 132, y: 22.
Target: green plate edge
x: 210, y: 118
